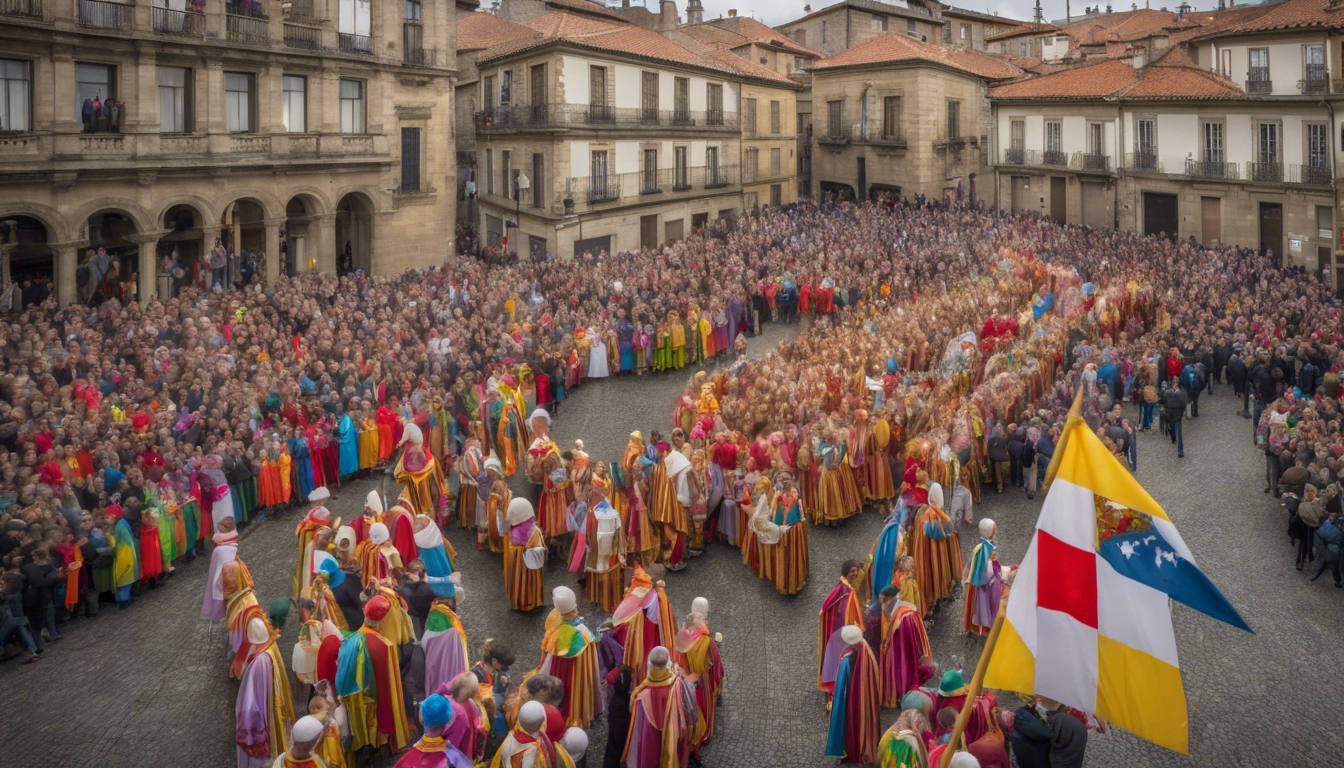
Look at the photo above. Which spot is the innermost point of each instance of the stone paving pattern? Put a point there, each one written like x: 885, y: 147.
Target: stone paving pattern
x: 148, y: 686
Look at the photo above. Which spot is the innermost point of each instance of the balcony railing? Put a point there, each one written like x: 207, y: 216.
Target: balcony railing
x: 1271, y: 173
x: 1054, y: 157
x: 1143, y: 160
x: 27, y: 9
x: 1315, y: 79
x: 246, y: 29
x: 413, y: 45
x: 894, y: 140
x: 184, y: 23
x: 302, y: 38
x: 360, y: 44
x: 300, y: 10
x: 103, y: 15
x: 835, y: 136
x: 643, y: 185
x: 253, y: 8
x: 539, y: 116
x: 1021, y: 156
x: 1257, y: 80
x: 1089, y: 161
x: 1212, y: 169
x: 1310, y: 175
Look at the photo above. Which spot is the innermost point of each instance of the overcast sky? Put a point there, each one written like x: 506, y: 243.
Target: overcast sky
x: 775, y: 12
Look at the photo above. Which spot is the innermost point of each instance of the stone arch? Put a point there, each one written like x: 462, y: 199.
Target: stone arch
x: 314, y: 199
x: 201, y: 203
x: 271, y: 207
x: 355, y: 224
x: 371, y: 196
x: 58, y: 227
x: 128, y: 208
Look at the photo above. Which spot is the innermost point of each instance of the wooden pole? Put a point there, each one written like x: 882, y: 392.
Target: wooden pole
x: 973, y: 693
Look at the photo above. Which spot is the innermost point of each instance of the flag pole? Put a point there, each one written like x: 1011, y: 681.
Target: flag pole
x: 973, y: 693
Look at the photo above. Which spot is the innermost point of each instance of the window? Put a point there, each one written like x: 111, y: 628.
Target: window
x: 1025, y: 48
x: 712, y: 173
x: 505, y: 87
x: 16, y: 90
x: 174, y: 104
x: 240, y: 100
x: 538, y: 173
x: 1313, y: 64
x: 597, y: 181
x: 1213, y: 143
x: 1318, y: 148
x: 714, y: 103
x: 879, y: 22
x: 910, y: 28
x: 1225, y: 56
x: 835, y: 119
x: 412, y: 10
x: 352, y: 106
x: 800, y: 35
x: 891, y: 117
x: 679, y: 169
x: 1145, y: 143
x: 749, y: 116
x: 965, y: 32
x: 799, y: 63
x: 752, y: 160
x: 1096, y: 141
x: 823, y: 31
x: 648, y: 97
x: 650, y: 176
x: 94, y: 83
x: 294, y: 104
x: 1017, y: 135
x: 776, y: 195
x: 1324, y: 221
x: 775, y: 161
x: 681, y: 99
x: 1267, y: 143
x: 1054, y: 142
x: 539, y: 96
x: 490, y: 171
x: 774, y: 117
x: 506, y: 174
x: 410, y: 159
x: 488, y: 83
x: 597, y: 95
x: 1259, y: 69
x: 954, y: 119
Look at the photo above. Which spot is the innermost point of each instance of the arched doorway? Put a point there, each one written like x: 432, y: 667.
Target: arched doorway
x: 26, y: 259
x: 243, y: 235
x: 182, y: 251
x: 354, y: 234
x: 116, y: 258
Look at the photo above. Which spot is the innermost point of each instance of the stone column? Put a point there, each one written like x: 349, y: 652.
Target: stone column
x: 147, y: 274
x: 273, y: 250
x: 66, y: 256
x: 322, y: 245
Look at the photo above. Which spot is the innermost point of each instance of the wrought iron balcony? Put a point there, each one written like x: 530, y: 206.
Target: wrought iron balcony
x: 1143, y: 159
x: 246, y: 29
x: 1054, y: 157
x: 1212, y: 169
x: 26, y: 9
x: 185, y: 23
x: 103, y: 15
x: 1257, y: 80
x: 1309, y: 175
x: 1315, y: 79
x: 1021, y: 156
x: 665, y: 183
x: 303, y: 38
x: 1092, y: 162
x: 598, y: 116
x: 359, y: 44
x: 892, y: 140
x: 1270, y: 173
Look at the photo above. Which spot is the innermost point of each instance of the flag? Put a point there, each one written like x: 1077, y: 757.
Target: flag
x: 1090, y: 599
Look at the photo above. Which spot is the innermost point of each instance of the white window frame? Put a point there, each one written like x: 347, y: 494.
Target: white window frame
x: 294, y: 103
x: 16, y: 96
x: 354, y: 109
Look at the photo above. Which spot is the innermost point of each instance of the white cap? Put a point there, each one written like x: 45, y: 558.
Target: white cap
x: 319, y: 493
x: 374, y: 501
x: 563, y: 599
x: 531, y: 716
x: 540, y: 413
x: 257, y: 631
x: 851, y: 634
x: 701, y: 606
x: 520, y: 511
x: 345, y: 538
x: 935, y: 495
x: 378, y: 533
x: 306, y: 729
x: 493, y: 463
x: 412, y: 434
x: 987, y: 528
x: 575, y: 742
x: 964, y: 760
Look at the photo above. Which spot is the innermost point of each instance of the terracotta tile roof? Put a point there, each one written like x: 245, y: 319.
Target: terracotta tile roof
x: 894, y: 48
x: 570, y: 25
x: 601, y: 35
x: 1123, y: 26
x: 584, y: 6
x: 1034, y: 29
x: 478, y: 31
x: 1176, y: 56
x: 1093, y: 81
x: 1171, y: 83
x: 989, y: 18
x: 1293, y: 14
x: 870, y: 6
x: 755, y: 31
x: 698, y: 40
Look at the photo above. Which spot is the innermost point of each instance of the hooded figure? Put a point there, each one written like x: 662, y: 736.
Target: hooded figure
x: 937, y: 549
x: 569, y: 652
x: 524, y: 556
x: 984, y: 587
x: 855, y: 729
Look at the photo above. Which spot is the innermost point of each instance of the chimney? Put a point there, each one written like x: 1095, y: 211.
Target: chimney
x: 667, y: 16
x: 695, y: 12
x: 807, y: 9
x: 732, y: 13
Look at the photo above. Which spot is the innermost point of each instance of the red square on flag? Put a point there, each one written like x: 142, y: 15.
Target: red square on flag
x: 1068, y: 579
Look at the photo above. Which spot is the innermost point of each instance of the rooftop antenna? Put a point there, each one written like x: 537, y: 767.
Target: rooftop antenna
x: 1038, y: 13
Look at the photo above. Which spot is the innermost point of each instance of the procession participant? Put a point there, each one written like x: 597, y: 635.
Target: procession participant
x: 420, y: 473
x: 840, y: 609
x: 528, y: 746
x: 318, y: 517
x: 437, y: 554
x: 225, y: 551
x: 492, y: 504
x: 905, y: 644
x: 854, y: 728
x: 373, y: 513
x: 240, y: 609
x: 303, y: 745
x: 368, y: 680
x: 569, y: 652
x: 400, y: 522
x: 433, y: 750
x: 663, y: 717
x: 697, y: 653
x: 378, y: 558
x: 785, y: 561
x: 644, y: 619
x: 669, y: 513
x: 264, y: 707
x: 524, y: 556
x: 904, y: 744
x: 445, y: 644
x: 600, y: 548
x: 982, y: 579
x: 469, y: 475
x: 545, y: 467
x: 937, y: 549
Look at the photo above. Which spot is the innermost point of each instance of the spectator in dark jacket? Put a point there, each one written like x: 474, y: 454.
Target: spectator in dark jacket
x: 997, y: 448
x: 418, y: 594
x: 13, y: 622
x: 1174, y: 401
x: 1237, y: 375
x: 1308, y: 378
x: 42, y: 578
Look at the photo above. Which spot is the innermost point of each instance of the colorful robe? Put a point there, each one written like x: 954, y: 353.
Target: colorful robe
x: 645, y: 620
x: 264, y: 709
x: 937, y: 551
x: 698, y: 655
x: 662, y: 716
x: 841, y: 607
x: 368, y: 680
x: 569, y: 652
x: 445, y: 645
x: 904, y: 643
x: 983, y: 588
x: 524, y: 556
x: 855, y: 727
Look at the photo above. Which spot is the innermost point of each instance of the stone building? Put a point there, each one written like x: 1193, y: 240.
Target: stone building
x: 153, y: 129
x: 968, y: 29
x: 849, y: 23
x: 897, y: 116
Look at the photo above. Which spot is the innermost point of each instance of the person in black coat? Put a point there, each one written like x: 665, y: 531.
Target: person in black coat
x: 349, y: 598
x: 618, y: 716
x: 1237, y: 375
x: 42, y: 578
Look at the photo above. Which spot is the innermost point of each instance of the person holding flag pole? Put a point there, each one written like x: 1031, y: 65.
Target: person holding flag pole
x: 1091, y: 597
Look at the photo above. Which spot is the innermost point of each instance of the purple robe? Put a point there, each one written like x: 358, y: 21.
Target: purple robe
x: 253, y: 708
x: 443, y: 658
x: 213, y: 604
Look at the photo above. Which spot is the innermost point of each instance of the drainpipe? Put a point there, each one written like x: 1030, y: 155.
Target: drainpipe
x: 1120, y: 155
x: 863, y: 111
x: 1334, y: 186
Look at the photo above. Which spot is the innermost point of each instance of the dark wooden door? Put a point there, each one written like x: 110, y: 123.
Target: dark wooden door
x: 1271, y: 229
x: 1159, y: 215
x: 1058, y: 189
